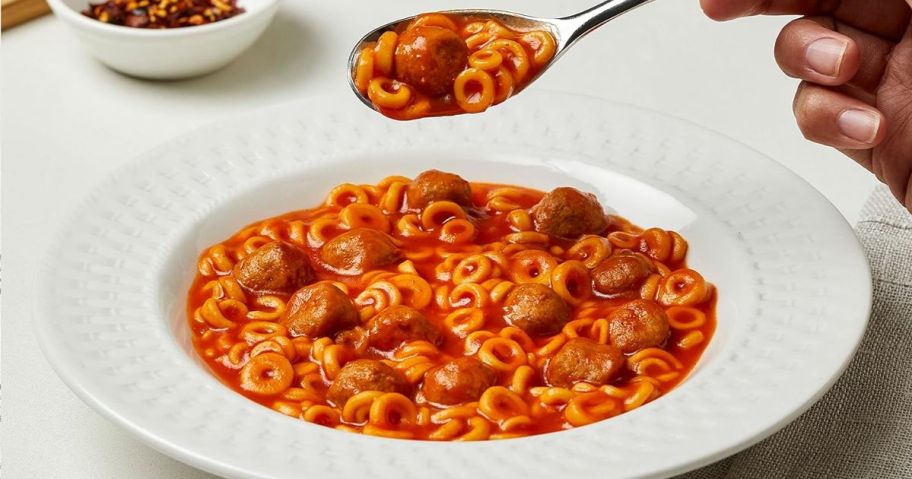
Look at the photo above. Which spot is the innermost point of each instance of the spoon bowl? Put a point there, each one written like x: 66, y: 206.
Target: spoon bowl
x: 565, y: 30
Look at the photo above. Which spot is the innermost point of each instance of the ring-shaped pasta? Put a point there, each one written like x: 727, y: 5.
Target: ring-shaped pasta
x: 486, y: 59
x: 477, y: 99
x: 384, y: 52
x: 571, y: 281
x: 472, y: 28
x: 391, y: 410
x: 236, y: 355
x: 477, y: 40
x: 223, y: 313
x: 267, y: 374
x: 297, y: 232
x: 518, y: 335
x: 263, y: 347
x: 551, y: 346
x: 656, y: 243
x: 522, y: 378
x: 474, y: 269
x: 380, y: 295
x: 254, y: 242
x: 333, y: 358
x: 500, y: 291
x: 474, y: 341
x: 469, y: 295
x: 624, y: 240
x: 321, y: 231
x: 464, y: 321
x: 388, y: 93
x: 359, y: 215
x: 274, y: 308
x: 357, y: 409
x: 679, y: 250
x: 555, y: 396
x: 409, y: 226
x: 479, y: 430
x: 502, y: 354
x: 457, y: 231
x: 589, y: 408
x: 322, y: 415
x: 418, y: 108
x: 528, y: 238
x: 542, y: 45
x: 590, y: 250
x: 520, y: 220
x: 466, y: 411
x: 232, y: 289
x: 643, y: 354
x: 287, y: 408
x: 393, y: 200
x: 438, y: 213
x: 645, y: 392
x: 684, y: 287
x: 532, y: 266
x: 504, y: 84
x: 346, y: 194
x: 364, y: 71
x: 415, y: 291
x: 498, y: 403
x: 691, y: 339
x: 685, y: 317
x: 448, y: 431
x: 516, y: 56
x: 435, y: 20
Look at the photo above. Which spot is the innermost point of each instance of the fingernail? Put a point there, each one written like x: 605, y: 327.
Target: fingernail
x: 824, y: 56
x: 859, y: 125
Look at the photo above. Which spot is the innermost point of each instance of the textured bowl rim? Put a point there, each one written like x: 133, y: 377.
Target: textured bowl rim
x: 213, y: 465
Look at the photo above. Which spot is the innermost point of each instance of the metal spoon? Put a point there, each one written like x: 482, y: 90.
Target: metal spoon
x: 566, y: 31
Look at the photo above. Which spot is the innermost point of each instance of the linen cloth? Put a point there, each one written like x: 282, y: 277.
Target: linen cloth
x: 862, y: 428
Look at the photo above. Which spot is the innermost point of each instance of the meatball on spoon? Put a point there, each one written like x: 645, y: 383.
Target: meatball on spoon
x: 566, y: 32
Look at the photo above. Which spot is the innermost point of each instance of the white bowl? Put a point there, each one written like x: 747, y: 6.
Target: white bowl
x: 794, y: 287
x: 167, y: 54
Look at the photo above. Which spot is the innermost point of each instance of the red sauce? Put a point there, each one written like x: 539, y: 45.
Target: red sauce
x: 226, y: 352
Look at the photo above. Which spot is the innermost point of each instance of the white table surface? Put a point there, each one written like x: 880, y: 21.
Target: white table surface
x: 68, y: 122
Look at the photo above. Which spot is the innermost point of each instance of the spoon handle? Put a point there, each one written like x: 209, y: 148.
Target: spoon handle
x: 584, y: 22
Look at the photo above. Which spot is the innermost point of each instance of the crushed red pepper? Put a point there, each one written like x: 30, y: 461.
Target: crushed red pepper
x: 162, y: 13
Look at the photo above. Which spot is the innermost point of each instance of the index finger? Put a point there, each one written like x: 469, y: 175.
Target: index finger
x: 729, y: 9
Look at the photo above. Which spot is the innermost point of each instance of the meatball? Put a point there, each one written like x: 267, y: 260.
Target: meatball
x: 583, y: 360
x: 458, y: 381
x: 569, y: 213
x: 536, y: 309
x: 638, y: 324
x: 398, y: 324
x: 620, y: 274
x: 274, y: 268
x: 359, y: 250
x: 319, y: 310
x: 434, y: 185
x: 365, y: 375
x: 430, y: 58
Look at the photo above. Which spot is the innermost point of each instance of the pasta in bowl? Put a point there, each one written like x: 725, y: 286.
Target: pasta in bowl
x: 435, y: 308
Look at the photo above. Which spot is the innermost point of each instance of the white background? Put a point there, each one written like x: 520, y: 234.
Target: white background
x: 68, y: 122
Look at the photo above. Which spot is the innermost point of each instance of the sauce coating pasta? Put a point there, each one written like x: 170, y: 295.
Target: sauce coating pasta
x: 444, y: 64
x: 437, y: 309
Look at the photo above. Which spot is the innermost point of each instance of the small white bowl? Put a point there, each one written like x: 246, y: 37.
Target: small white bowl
x: 168, y: 54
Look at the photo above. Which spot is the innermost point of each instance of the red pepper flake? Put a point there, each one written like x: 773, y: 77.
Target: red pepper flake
x: 162, y: 13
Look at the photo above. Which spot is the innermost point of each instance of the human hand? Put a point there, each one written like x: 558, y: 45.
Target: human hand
x: 855, y: 60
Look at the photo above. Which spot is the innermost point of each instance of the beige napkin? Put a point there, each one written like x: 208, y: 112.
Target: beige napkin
x: 862, y: 428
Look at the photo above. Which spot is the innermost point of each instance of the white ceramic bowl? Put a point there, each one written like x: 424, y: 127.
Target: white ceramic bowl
x: 794, y: 287
x: 167, y: 54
